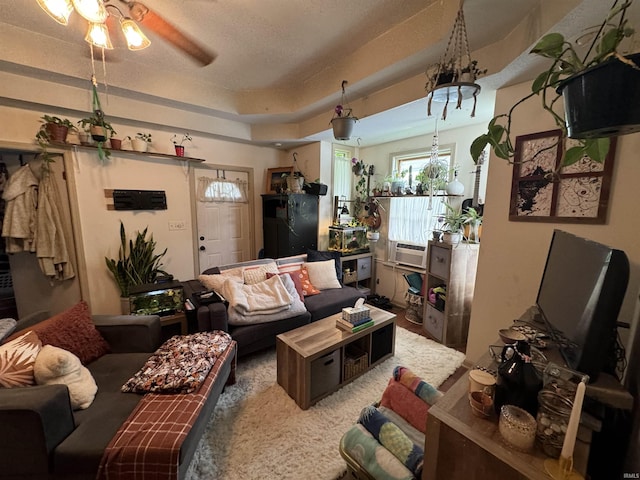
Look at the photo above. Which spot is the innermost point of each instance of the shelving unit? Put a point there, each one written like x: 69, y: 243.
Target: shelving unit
x: 130, y: 153
x: 356, y: 271
x: 453, y: 267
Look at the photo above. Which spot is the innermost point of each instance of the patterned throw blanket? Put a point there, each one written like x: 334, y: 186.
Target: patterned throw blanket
x: 393, y: 439
x: 180, y: 365
x: 418, y: 386
x: 148, y: 443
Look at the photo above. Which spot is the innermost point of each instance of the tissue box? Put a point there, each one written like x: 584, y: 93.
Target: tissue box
x: 353, y: 314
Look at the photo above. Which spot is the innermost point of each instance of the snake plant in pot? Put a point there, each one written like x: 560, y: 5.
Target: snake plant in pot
x: 600, y: 88
x: 137, y: 263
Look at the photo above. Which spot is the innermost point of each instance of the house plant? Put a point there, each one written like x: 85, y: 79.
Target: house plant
x: 52, y: 130
x: 141, y: 142
x: 567, y: 70
x: 137, y: 264
x: 472, y: 224
x: 178, y: 143
x: 452, y: 222
x: 343, y: 119
x: 99, y: 129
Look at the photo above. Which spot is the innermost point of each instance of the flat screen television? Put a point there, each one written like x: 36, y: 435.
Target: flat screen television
x: 580, y: 295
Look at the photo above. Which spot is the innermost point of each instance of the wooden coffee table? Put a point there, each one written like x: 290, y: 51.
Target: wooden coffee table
x: 315, y: 360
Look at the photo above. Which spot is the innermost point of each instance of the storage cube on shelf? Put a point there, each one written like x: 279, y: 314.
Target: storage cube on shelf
x: 157, y: 299
x: 348, y: 240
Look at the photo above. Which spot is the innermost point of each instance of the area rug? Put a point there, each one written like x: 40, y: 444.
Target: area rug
x: 258, y: 432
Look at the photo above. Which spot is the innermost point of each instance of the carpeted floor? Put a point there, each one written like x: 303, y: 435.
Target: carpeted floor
x: 258, y: 432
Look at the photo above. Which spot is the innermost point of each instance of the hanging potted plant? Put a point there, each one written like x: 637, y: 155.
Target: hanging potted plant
x: 177, y: 143
x: 343, y: 119
x: 601, y: 92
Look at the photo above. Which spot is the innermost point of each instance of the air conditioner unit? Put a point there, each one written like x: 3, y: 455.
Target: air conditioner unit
x: 410, y: 254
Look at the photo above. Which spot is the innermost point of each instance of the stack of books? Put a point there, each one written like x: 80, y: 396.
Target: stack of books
x: 355, y: 325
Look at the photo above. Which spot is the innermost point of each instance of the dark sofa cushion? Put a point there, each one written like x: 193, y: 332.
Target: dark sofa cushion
x: 252, y: 338
x: 332, y: 301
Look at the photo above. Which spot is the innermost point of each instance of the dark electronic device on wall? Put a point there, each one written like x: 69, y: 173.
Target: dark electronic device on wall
x: 139, y: 200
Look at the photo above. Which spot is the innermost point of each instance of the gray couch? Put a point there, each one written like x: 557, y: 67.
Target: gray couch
x: 41, y: 437
x: 251, y: 338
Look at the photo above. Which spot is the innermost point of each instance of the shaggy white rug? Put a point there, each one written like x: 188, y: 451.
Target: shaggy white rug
x: 258, y: 432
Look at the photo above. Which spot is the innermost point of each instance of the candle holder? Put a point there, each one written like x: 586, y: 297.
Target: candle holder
x: 561, y: 469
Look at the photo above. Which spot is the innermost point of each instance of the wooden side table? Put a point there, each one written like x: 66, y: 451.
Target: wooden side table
x: 180, y: 318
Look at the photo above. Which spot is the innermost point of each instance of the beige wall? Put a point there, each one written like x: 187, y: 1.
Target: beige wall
x: 512, y: 254
x: 99, y: 227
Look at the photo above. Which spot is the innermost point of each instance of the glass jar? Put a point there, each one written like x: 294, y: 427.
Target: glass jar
x: 517, y: 427
x: 554, y: 411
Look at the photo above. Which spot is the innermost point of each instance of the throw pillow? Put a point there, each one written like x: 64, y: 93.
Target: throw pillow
x: 295, y: 278
x: 74, y: 331
x: 289, y: 267
x: 213, y: 282
x: 323, y: 274
x: 55, y: 366
x: 7, y: 326
x: 258, y: 273
x: 16, y: 360
x: 307, y: 287
x: 320, y: 256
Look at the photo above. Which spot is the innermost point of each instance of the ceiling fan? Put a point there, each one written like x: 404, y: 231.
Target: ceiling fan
x: 96, y: 13
x: 157, y: 24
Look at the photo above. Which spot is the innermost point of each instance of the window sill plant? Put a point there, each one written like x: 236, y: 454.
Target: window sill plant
x: 552, y: 84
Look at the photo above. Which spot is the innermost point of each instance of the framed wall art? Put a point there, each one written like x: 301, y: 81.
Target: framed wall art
x: 543, y: 191
x: 275, y: 182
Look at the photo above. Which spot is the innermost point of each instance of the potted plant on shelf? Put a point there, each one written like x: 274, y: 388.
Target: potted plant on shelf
x: 137, y: 264
x: 178, y: 143
x: 343, y: 119
x: 452, y: 223
x: 601, y: 92
x: 472, y: 223
x: 141, y: 142
x: 52, y: 130
x: 99, y: 130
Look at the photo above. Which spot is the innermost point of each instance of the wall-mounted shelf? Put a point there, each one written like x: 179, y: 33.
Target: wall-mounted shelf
x: 128, y: 153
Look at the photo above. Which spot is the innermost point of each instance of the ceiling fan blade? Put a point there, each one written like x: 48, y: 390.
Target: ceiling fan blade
x: 154, y: 22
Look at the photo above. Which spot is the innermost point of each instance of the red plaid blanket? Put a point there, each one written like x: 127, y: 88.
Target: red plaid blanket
x: 147, y: 446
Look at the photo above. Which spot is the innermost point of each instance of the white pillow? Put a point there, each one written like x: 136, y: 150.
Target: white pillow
x: 322, y: 275
x: 258, y: 273
x: 54, y: 365
x: 213, y: 282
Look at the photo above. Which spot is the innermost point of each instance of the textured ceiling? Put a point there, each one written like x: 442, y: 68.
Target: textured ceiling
x: 280, y: 62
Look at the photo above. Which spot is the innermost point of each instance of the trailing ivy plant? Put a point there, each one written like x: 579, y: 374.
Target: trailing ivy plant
x: 566, y: 62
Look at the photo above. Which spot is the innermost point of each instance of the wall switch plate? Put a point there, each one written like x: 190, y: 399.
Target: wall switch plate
x: 177, y: 225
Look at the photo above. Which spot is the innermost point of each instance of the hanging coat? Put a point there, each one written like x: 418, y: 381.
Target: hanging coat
x: 51, y: 246
x: 19, y: 224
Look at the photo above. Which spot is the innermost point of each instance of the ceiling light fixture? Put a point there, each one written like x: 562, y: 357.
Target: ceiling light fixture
x: 59, y: 10
x: 96, y: 13
x: 454, y: 77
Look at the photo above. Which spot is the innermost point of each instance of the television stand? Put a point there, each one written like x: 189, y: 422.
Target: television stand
x: 606, y: 390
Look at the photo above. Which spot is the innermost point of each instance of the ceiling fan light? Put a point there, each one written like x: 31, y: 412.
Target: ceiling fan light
x: 93, y: 11
x: 59, y: 10
x: 136, y: 40
x: 98, y: 36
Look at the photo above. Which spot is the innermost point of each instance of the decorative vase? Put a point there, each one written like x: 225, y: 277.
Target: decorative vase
x: 116, y: 144
x: 342, y: 127
x: 604, y: 100
x: 294, y: 184
x: 139, y: 145
x: 179, y: 150
x: 455, y: 187
x: 472, y: 231
x: 85, y: 138
x: 98, y: 133
x: 57, y: 133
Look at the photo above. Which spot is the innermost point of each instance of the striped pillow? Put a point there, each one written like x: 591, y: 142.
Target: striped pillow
x: 16, y: 360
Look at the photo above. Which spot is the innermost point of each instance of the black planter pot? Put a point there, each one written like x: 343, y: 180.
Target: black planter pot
x: 603, y: 101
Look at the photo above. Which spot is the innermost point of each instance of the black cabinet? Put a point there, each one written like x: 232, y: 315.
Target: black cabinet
x: 290, y: 224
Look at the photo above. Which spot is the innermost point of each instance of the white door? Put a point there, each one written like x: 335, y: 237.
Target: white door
x: 224, y: 234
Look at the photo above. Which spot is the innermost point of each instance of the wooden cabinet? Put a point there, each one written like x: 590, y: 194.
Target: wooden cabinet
x: 356, y: 271
x: 453, y: 268
x: 289, y: 224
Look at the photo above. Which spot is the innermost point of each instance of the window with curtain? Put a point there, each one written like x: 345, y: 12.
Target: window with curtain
x: 221, y: 190
x: 342, y: 178
x: 413, y: 218
x: 416, y: 161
